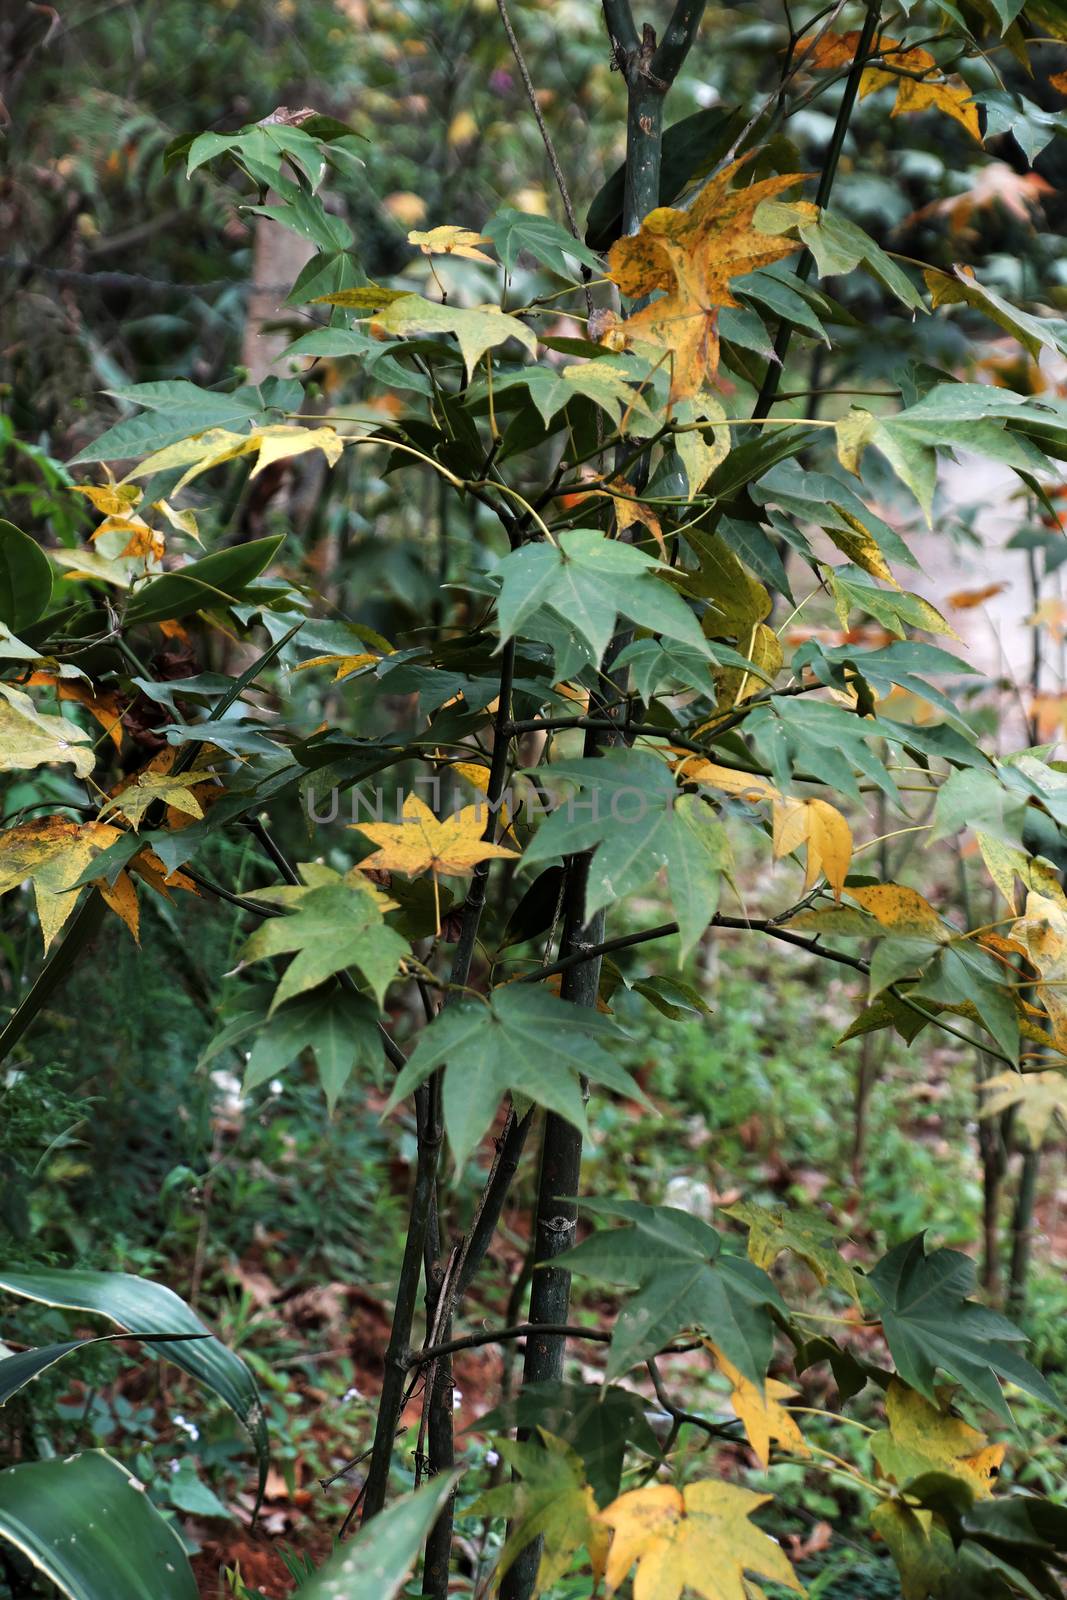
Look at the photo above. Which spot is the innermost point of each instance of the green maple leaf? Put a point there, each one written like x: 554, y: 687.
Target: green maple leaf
x: 932, y: 1325
x: 333, y: 927
x: 341, y: 1028
x: 633, y: 816
x: 588, y: 580
x: 682, y: 1280
x: 551, y: 1501
x: 524, y: 1042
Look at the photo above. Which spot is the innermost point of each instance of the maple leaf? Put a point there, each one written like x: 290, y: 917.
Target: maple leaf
x: 273, y: 442
x: 682, y: 1279
x: 823, y: 830
x: 1042, y: 931
x: 923, y: 1437
x: 344, y: 664
x: 497, y: 1048
x: 110, y: 499
x: 968, y: 599
x: 451, y: 241
x: 32, y: 738
x: 937, y: 92
x: 931, y: 1323
x: 757, y: 1405
x: 477, y: 329
x: 157, y: 782
x: 335, y: 924
x: 692, y: 256
x: 1041, y: 1097
x: 53, y: 853
x: 773, y: 1229
x: 552, y: 1501
x: 420, y: 843
x: 698, y: 1537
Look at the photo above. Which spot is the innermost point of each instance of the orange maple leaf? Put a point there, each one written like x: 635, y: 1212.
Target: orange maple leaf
x: 692, y: 256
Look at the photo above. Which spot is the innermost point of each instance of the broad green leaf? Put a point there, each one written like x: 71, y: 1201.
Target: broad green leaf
x: 176, y: 409
x: 630, y: 812
x: 1032, y: 128
x: 607, y: 384
x: 682, y: 1280
x: 931, y: 1324
x: 374, y: 1565
x: 25, y: 578
x: 143, y: 1307
x: 476, y: 330
x: 549, y: 1499
x: 514, y: 231
x: 979, y: 800
x: 18, y: 1370
x: 948, y: 417
x: 840, y: 246
x: 217, y: 580
x: 854, y: 589
x: 524, y: 1042
x: 333, y: 927
x: 587, y: 582
x: 341, y: 1028
x: 261, y: 148
x: 961, y: 287
x: 87, y: 1525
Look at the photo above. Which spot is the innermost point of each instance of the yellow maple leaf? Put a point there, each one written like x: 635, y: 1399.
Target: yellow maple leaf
x: 419, y: 843
x: 922, y: 1437
x: 763, y: 1417
x: 157, y: 782
x: 110, y: 499
x: 1042, y: 931
x: 273, y: 442
x: 32, y: 738
x: 932, y: 89
x: 345, y: 664
x: 52, y: 853
x: 692, y: 256
x: 820, y: 827
x: 451, y: 241
x: 903, y: 911
x: 1040, y: 1098
x: 748, y: 786
x: 629, y: 510
x: 950, y: 95
x: 698, y: 1537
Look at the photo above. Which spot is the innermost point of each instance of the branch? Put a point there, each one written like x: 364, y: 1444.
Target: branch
x: 678, y: 39
x: 525, y: 1330
x: 546, y: 137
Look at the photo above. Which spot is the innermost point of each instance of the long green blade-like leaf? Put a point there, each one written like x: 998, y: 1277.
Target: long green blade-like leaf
x: 375, y: 1564
x: 91, y: 1529
x: 17, y: 1371
x: 138, y: 1304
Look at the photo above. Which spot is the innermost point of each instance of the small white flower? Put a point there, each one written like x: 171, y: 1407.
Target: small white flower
x: 491, y: 1458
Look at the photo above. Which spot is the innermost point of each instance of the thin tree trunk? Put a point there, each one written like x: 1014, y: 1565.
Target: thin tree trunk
x: 649, y: 71
x: 1022, y: 1230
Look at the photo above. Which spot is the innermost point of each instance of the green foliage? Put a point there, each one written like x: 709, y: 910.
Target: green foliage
x: 549, y: 554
